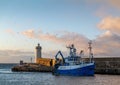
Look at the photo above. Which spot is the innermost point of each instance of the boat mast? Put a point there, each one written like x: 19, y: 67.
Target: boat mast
x: 90, y: 50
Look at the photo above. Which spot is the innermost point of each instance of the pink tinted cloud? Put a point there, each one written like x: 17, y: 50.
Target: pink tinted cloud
x: 65, y: 38
x: 29, y: 33
x: 106, y: 44
x: 110, y: 23
x: 10, y: 31
x: 115, y: 3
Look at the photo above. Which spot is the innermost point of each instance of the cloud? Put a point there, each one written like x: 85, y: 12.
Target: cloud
x: 115, y: 3
x: 10, y: 31
x: 107, y: 44
x: 14, y: 56
x: 29, y: 33
x: 64, y: 38
x: 110, y: 23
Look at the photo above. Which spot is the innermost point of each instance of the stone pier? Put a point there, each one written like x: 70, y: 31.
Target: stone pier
x: 107, y: 65
x: 32, y: 67
x: 102, y: 66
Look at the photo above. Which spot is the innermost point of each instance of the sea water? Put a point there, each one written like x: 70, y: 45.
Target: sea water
x: 7, y: 77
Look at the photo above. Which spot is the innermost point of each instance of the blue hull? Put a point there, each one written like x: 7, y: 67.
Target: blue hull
x: 84, y: 71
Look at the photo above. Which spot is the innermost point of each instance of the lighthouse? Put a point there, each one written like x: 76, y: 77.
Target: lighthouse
x: 38, y: 52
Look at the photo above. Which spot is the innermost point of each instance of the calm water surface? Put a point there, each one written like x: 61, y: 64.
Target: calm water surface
x: 33, y: 78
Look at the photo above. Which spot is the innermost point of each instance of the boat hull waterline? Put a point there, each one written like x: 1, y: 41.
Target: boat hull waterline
x: 76, y: 70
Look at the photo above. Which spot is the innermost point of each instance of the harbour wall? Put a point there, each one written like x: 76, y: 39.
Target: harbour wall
x: 32, y: 67
x: 102, y: 66
x: 107, y: 65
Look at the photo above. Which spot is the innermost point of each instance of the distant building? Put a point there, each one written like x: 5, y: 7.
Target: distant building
x: 38, y: 52
x: 43, y: 61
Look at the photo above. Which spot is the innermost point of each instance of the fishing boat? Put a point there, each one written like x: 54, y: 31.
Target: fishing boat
x: 74, y: 65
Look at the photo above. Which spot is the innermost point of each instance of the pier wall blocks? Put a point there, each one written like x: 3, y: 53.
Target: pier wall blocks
x: 107, y: 65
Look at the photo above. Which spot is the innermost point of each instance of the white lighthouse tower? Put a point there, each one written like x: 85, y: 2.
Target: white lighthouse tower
x: 38, y: 52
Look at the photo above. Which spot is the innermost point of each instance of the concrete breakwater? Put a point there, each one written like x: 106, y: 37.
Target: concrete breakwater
x: 107, y: 65
x: 102, y: 66
x: 32, y: 67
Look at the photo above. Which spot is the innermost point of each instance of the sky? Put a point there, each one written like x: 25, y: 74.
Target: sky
x: 56, y: 24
